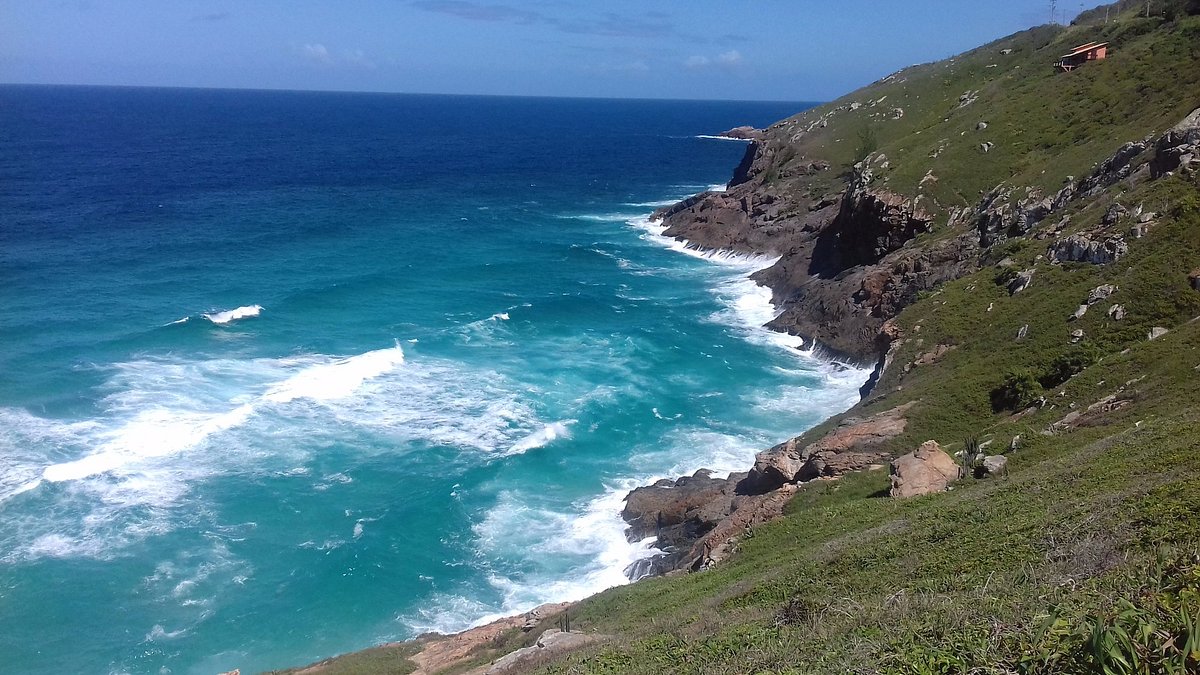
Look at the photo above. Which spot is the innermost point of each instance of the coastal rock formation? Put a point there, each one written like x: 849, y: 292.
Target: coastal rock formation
x: 678, y: 513
x: 849, y: 447
x: 552, y: 643
x: 1080, y: 248
x: 925, y: 471
x: 1179, y: 148
x: 744, y: 133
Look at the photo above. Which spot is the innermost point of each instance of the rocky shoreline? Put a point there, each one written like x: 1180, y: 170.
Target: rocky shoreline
x: 845, y: 269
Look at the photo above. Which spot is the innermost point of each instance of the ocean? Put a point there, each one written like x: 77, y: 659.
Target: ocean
x: 285, y: 374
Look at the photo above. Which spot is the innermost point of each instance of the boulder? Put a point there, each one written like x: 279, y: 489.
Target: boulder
x: 1020, y: 282
x: 849, y: 447
x: 927, y: 470
x: 1076, y: 335
x: 1116, y: 312
x: 1157, y: 332
x: 1113, y: 215
x: 1023, y: 332
x: 551, y: 643
x: 1100, y: 293
x: 993, y: 465
x: 1079, y: 312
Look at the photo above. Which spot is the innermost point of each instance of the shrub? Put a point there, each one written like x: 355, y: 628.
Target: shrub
x: 1019, y: 390
x: 868, y: 143
x: 1068, y: 365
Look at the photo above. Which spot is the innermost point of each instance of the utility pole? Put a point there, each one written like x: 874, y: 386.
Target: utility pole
x: 1053, y: 11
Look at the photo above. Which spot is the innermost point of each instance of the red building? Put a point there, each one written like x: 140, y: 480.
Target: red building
x: 1092, y: 51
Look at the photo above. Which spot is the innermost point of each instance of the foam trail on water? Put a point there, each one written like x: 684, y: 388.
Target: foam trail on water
x: 655, y: 233
x: 155, y: 433
x: 542, y: 437
x: 231, y: 315
x: 710, y: 137
x: 162, y: 431
x: 338, y: 379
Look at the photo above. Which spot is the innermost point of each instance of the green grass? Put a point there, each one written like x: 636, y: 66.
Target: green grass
x: 1084, y: 555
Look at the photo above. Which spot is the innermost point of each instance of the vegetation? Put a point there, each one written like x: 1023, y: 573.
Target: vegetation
x: 1085, y: 557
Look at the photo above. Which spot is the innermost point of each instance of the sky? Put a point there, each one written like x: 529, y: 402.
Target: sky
x: 789, y: 50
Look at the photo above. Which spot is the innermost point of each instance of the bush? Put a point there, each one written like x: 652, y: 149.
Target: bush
x: 1019, y: 390
x: 868, y: 143
x: 1068, y: 365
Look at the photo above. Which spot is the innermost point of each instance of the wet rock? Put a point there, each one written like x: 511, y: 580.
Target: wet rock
x: 678, y: 512
x: 925, y: 471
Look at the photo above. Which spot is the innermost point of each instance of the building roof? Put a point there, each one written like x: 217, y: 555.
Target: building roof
x: 1085, y: 48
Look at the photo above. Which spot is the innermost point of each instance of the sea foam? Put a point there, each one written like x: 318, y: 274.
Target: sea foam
x: 231, y: 315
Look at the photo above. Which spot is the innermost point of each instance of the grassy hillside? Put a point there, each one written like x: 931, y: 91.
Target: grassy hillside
x: 1085, y: 557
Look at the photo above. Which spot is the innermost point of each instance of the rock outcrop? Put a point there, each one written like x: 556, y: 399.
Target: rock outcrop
x: 551, y: 644
x: 1179, y: 148
x: 744, y: 133
x: 852, y: 446
x: 925, y: 471
x: 677, y: 514
x: 1081, y: 248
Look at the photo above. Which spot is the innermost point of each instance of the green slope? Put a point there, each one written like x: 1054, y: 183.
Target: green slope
x: 1085, y: 558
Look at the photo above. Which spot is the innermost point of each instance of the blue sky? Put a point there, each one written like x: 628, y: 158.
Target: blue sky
x: 710, y: 49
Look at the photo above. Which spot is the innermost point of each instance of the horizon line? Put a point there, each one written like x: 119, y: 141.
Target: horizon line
x: 401, y: 93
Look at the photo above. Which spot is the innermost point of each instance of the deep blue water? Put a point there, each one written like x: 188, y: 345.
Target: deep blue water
x: 457, y: 343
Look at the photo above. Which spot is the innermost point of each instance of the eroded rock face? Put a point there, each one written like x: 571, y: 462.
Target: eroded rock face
x: 1179, y: 148
x: 847, y: 448
x: 870, y: 224
x: 678, y: 512
x: 1081, y: 248
x: 925, y: 471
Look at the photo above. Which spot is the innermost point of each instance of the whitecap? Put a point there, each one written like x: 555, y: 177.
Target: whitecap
x: 713, y: 137
x: 230, y: 315
x: 542, y: 437
x: 338, y: 379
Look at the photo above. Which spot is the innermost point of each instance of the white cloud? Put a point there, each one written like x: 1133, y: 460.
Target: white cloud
x: 320, y: 54
x: 730, y: 59
x: 316, y: 52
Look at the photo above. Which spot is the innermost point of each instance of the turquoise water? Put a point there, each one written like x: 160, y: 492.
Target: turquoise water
x: 284, y: 375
